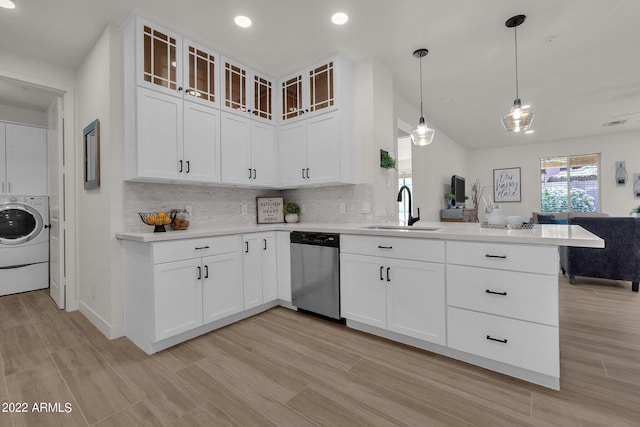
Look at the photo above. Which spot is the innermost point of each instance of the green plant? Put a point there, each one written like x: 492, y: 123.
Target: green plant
x: 386, y: 161
x: 291, y: 208
x: 555, y: 200
x: 635, y: 210
x: 450, y: 196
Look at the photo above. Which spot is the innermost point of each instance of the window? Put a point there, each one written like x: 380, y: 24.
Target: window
x: 570, y: 183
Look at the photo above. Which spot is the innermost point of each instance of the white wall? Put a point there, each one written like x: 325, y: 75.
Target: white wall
x: 432, y: 166
x: 100, y: 286
x: 616, y: 200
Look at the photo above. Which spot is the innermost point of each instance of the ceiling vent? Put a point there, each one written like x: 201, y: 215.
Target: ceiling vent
x: 614, y: 123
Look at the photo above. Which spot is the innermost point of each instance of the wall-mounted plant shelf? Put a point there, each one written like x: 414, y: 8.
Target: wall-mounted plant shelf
x: 386, y: 161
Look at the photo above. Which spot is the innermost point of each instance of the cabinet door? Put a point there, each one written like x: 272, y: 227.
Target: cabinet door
x: 263, y: 154
x: 323, y: 148
x: 269, y: 267
x: 262, y: 98
x: 26, y: 161
x: 202, y: 79
x: 222, y: 286
x: 252, y: 268
x: 415, y: 299
x: 201, y: 143
x: 292, y: 94
x: 292, y: 154
x: 177, y: 297
x: 159, y: 58
x: 283, y: 242
x: 159, y: 135
x: 363, y: 289
x: 322, y: 93
x: 235, y: 142
x: 235, y: 84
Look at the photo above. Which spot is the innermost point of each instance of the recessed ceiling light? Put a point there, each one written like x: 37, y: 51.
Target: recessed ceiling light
x: 242, y: 21
x: 7, y: 4
x: 339, y: 18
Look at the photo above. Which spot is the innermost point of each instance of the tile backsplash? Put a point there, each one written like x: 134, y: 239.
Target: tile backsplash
x: 224, y: 206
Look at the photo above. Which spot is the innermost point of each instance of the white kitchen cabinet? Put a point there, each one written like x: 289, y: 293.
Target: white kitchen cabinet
x: 247, y: 92
x: 172, y: 126
x: 260, y: 269
x: 222, y: 286
x: 23, y: 160
x: 283, y: 251
x: 248, y: 150
x: 177, y: 297
x: 402, y: 296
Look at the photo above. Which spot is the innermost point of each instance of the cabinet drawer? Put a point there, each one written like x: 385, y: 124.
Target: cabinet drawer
x: 192, y: 248
x: 525, y: 296
x: 531, y: 259
x: 527, y: 345
x: 394, y: 247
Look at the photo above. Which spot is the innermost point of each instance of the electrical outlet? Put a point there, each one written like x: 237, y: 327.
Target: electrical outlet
x: 366, y: 207
x: 343, y: 208
x: 243, y: 208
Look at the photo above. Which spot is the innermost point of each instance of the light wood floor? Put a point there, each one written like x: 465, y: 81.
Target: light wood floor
x: 283, y: 368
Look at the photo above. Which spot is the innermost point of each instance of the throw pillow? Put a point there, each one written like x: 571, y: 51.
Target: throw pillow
x: 562, y: 221
x: 546, y: 219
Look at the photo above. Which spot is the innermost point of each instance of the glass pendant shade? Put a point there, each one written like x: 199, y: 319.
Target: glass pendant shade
x: 423, y: 134
x: 519, y: 119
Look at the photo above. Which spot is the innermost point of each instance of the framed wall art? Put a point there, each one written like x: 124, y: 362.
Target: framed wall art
x: 506, y: 185
x: 91, y: 148
x: 270, y: 210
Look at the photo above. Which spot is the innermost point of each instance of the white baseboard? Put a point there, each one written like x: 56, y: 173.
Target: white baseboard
x: 110, y: 331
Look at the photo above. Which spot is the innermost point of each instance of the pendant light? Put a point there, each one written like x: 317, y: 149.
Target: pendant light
x: 519, y: 119
x: 423, y: 134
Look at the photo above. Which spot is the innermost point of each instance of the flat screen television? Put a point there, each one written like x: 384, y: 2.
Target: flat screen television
x: 457, y: 188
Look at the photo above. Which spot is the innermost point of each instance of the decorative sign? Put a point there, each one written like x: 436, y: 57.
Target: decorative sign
x: 270, y: 209
x: 506, y: 185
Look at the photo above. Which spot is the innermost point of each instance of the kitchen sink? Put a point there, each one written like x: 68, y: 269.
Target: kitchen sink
x: 400, y: 227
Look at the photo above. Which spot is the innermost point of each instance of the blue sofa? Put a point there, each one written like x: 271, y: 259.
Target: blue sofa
x: 620, y: 258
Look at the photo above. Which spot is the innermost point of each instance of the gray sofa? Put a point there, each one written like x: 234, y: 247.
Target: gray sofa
x: 620, y: 258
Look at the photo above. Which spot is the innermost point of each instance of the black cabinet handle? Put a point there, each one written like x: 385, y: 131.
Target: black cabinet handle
x: 308, y: 177
x: 302, y: 173
x: 388, y: 278
x: 381, y: 268
x: 47, y: 226
x: 249, y: 173
x: 495, y: 293
x: 188, y: 167
x: 206, y: 271
x: 385, y: 247
x: 504, y: 341
x: 255, y: 175
x: 496, y: 256
x: 180, y: 89
x: 180, y: 166
x: 264, y: 244
x: 255, y: 113
x: 246, y: 247
x: 199, y: 273
x: 199, y: 248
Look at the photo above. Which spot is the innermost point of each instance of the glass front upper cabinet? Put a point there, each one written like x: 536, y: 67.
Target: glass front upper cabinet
x: 235, y: 87
x: 321, y: 87
x: 262, y: 97
x: 161, y: 59
x: 311, y: 91
x: 201, y: 70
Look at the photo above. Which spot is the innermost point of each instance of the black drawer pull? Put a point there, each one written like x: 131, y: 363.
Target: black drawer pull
x: 201, y: 248
x: 385, y: 247
x: 206, y: 271
x: 496, y: 256
x: 504, y: 341
x: 381, y: 268
x: 388, y: 278
x: 495, y: 293
x: 246, y: 247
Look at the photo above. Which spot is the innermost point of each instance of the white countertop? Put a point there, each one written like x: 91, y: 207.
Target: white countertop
x: 546, y: 234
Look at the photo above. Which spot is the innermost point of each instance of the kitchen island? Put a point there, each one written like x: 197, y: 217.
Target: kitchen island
x: 481, y: 295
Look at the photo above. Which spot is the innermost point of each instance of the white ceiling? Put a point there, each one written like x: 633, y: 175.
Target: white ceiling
x: 579, y: 63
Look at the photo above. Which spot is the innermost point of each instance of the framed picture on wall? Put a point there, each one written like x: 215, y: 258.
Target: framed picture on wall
x: 91, y: 149
x: 506, y: 185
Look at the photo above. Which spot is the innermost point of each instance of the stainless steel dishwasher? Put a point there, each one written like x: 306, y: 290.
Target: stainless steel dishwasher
x: 315, y: 272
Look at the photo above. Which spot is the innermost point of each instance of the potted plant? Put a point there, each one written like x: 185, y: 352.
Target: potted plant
x: 386, y: 161
x: 635, y: 211
x: 291, y: 211
x: 449, y: 197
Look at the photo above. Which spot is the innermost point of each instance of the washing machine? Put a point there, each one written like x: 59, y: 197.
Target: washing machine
x: 24, y: 243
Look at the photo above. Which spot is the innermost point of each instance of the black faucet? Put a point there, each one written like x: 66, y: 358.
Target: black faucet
x: 411, y: 220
